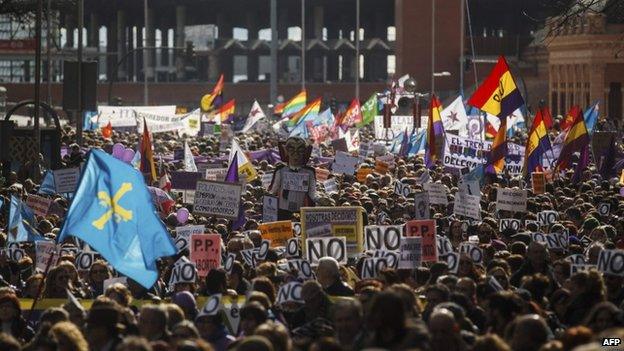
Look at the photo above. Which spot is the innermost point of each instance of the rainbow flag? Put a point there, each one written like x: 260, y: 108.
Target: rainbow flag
x: 207, y: 101
x: 498, y: 95
x: 307, y: 113
x: 435, y: 130
x: 496, y: 157
x: 293, y: 105
x: 537, y: 143
x: 575, y: 141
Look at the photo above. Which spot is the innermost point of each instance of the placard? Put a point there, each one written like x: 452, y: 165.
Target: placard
x: 185, y: 180
x: 292, y: 248
x: 217, y: 199
x: 84, y: 260
x: 468, y: 153
x: 427, y: 230
x: 321, y: 174
x: 218, y: 174
x: 538, y: 182
x: 184, y: 233
x: 362, y: 173
x: 473, y: 251
x: 470, y: 187
x: 383, y: 237
x: 577, y: 259
x: 205, y: 252
x: 509, y: 224
x: 330, y: 186
x: 452, y: 259
x: 604, y: 209
x: 391, y: 256
x: 44, y: 251
x: 302, y: 267
x: 372, y: 266
x: 295, y: 181
x: 66, y: 179
x: 421, y: 205
x: 345, y: 221
x: 290, y: 292
x: 340, y: 145
x: 277, y: 232
x: 183, y: 271
x: 335, y: 247
x: 39, y: 204
x: 547, y: 218
x: 514, y: 200
x: 269, y: 208
x: 266, y: 179
x: 410, y: 252
x: 467, y: 205
x: 381, y: 167
x: 554, y: 241
x: 401, y: 189
x: 344, y: 163
x: 437, y: 193
x: 611, y: 262
x: 444, y: 245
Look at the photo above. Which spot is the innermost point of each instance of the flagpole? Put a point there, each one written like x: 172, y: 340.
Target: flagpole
x: 432, y: 46
x: 303, y: 34
x: 357, y: 50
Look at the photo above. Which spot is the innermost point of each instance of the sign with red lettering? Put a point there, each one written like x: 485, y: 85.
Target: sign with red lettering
x: 427, y: 230
x: 205, y: 250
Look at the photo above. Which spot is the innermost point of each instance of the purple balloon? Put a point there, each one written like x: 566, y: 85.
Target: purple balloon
x: 182, y: 215
x: 128, y: 155
x: 118, y: 151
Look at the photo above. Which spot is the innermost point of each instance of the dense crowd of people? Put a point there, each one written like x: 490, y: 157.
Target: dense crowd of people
x: 538, y: 303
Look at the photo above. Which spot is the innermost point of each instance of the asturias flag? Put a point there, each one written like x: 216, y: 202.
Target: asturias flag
x: 498, y: 95
x: 112, y: 211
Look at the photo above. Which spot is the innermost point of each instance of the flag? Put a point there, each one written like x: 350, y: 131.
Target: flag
x: 496, y: 157
x: 591, y: 117
x: 516, y: 123
x: 568, y: 120
x: 232, y: 177
x: 107, y: 131
x: 369, y: 110
x: 546, y: 117
x: 477, y: 173
x: 112, y: 211
x: 87, y: 121
x: 351, y: 116
x: 22, y: 222
x: 417, y: 142
x: 435, y: 132
x: 537, y: 144
x: 404, y: 150
x: 498, y: 95
x: 492, y: 123
x: 255, y: 114
x: 576, y: 138
x: 293, y: 105
x: 244, y: 166
x: 325, y: 118
x: 189, y: 159
x: 309, y: 112
x: 208, y: 100
x: 226, y: 111
x: 454, y: 115
x: 48, y: 187
x: 147, y: 156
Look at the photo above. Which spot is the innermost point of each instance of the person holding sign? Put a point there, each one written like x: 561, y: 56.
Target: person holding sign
x: 294, y: 183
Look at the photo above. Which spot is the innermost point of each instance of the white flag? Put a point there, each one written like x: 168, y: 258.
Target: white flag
x: 454, y: 116
x: 189, y: 161
x: 255, y: 114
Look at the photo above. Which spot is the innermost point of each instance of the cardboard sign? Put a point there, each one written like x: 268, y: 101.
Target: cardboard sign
x: 290, y: 292
x: 344, y: 221
x: 185, y: 180
x: 66, y: 180
x: 421, y: 205
x: 335, y: 247
x: 547, y: 218
x: 344, y: 163
x: 205, y: 252
x: 269, y: 208
x: 473, y: 251
x: 183, y: 272
x: 575, y: 268
x: 611, y: 262
x: 437, y: 193
x: 444, y: 245
x: 266, y: 179
x: 250, y: 256
x: 467, y: 205
x: 39, y: 204
x: 538, y: 182
x: 295, y: 181
x: 530, y: 221
x: 277, y: 232
x: 372, y: 266
x: 13, y: 254
x: 292, y: 248
x: 45, y: 250
x: 364, y: 150
x: 383, y: 237
x: 303, y: 268
x: 391, y: 256
x: 362, y: 173
x: 509, y: 223
x: 212, y: 306
x: 321, y: 174
x: 110, y: 281
x: 410, y: 252
x: 215, y: 174
x: 576, y: 259
x: 217, y: 199
x: 555, y: 241
x: 604, y: 209
x: 184, y: 233
x: 330, y: 186
x: 296, y: 227
x: 452, y: 259
x: 228, y: 263
x: 470, y: 187
x: 427, y: 230
x: 514, y: 200
x: 84, y: 260
x: 263, y: 250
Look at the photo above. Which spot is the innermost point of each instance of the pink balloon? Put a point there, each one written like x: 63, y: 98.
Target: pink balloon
x: 128, y: 155
x: 182, y: 215
x: 118, y: 151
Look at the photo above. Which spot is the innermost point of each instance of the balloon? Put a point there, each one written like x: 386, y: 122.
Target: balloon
x: 128, y: 155
x: 118, y: 151
x: 182, y: 215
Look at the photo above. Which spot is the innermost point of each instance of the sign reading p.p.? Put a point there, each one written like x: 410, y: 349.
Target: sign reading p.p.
x: 205, y: 252
x: 427, y: 230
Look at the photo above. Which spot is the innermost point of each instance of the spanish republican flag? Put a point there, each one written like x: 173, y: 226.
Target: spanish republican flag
x: 537, y: 143
x: 576, y: 139
x: 148, y: 166
x: 207, y: 100
x: 569, y: 118
x: 227, y: 110
x: 435, y: 132
x: 293, y: 105
x: 496, y: 157
x: 498, y: 95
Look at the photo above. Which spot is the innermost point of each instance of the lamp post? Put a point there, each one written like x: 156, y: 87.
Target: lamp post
x: 410, y: 86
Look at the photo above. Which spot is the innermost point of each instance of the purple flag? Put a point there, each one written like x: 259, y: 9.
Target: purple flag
x: 232, y: 173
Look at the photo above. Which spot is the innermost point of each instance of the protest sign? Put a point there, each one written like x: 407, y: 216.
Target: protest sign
x: 381, y: 167
x: 296, y: 227
x: 183, y: 235
x: 468, y: 153
x: 452, y: 259
x: 228, y: 263
x: 110, y: 281
x: 437, y: 193
x: 509, y: 224
x: 277, y: 232
x: 217, y: 199
x: 185, y: 180
x: 538, y: 181
x: 205, y: 252
x: 39, y: 204
x: 301, y: 266
x: 321, y: 174
x: 344, y: 221
x: 218, y: 174
x: 554, y: 241
x: 269, y: 208
x: 401, y: 189
x: 84, y: 260
x: 421, y: 205
x: 335, y: 247
x: 364, y: 150
x: 14, y: 254
x: 391, y: 256
x: 467, y: 205
x: 611, y: 262
x: 427, y: 230
x: 372, y: 266
x: 383, y: 237
x: 344, y: 163
x: 66, y: 179
x: 250, y: 256
x: 183, y: 271
x: 290, y: 292
x: 292, y: 248
x: 330, y: 186
x: 263, y: 250
x: 46, y: 252
x: 547, y: 218
x: 576, y: 259
x: 212, y: 306
x: 295, y: 181
x: 399, y: 123
x: 444, y: 245
x: 362, y: 173
x: 473, y: 251
x: 604, y: 209
x: 470, y: 187
x: 514, y: 200
x: 266, y: 179
x: 410, y: 252
x: 125, y: 116
x: 527, y: 222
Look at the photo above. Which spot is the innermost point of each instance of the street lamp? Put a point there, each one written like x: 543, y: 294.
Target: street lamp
x: 410, y: 86
x: 442, y: 74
